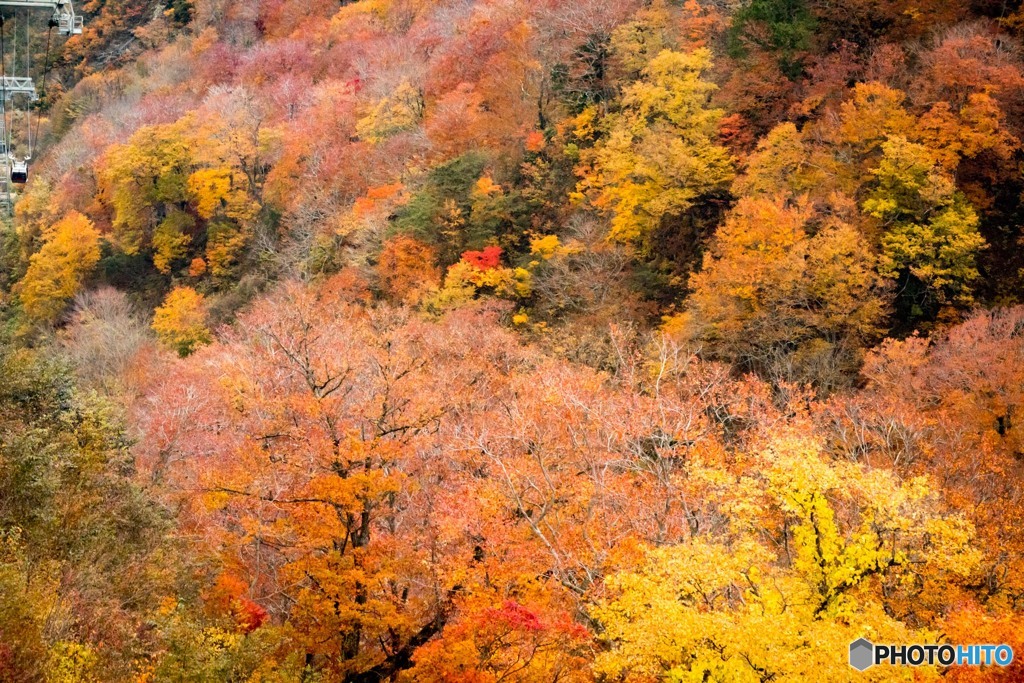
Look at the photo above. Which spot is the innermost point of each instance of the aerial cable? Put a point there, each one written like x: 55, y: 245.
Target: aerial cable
x: 3, y: 90
x: 42, y: 87
x: 28, y: 75
x: 14, y: 89
x: 9, y: 130
x: 5, y: 162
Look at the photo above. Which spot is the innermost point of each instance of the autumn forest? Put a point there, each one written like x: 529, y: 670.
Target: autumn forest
x: 523, y: 341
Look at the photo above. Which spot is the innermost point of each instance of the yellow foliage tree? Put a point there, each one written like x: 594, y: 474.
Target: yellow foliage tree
x: 171, y: 239
x: 399, y: 111
x: 931, y: 229
x: 238, y: 141
x: 225, y: 243
x: 170, y: 183
x: 56, y: 273
x: 874, y: 112
x: 465, y: 281
x: 661, y: 151
x: 780, y: 164
x: 140, y: 179
x: 181, y: 321
x: 636, y: 43
x: 771, y: 297
x: 220, y: 189
x: 222, y: 196
x: 818, y: 554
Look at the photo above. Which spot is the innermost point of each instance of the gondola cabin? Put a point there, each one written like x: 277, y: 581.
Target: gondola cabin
x: 19, y: 172
x: 18, y: 91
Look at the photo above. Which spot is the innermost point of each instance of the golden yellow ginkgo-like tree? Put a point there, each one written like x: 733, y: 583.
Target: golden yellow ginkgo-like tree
x: 181, y: 321
x: 57, y: 271
x: 661, y: 151
x: 818, y: 554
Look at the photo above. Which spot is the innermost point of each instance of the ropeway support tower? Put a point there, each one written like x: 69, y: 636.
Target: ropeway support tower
x: 14, y: 89
x: 67, y: 22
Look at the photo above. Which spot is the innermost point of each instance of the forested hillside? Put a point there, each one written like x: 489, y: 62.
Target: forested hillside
x: 541, y: 341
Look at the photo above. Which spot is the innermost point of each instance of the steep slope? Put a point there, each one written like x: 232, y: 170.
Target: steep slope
x: 480, y: 340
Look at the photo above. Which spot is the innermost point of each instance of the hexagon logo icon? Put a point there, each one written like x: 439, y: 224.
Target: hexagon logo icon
x: 862, y: 654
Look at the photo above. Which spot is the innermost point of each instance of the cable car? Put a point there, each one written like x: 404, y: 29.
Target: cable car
x: 19, y: 172
x: 17, y: 93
